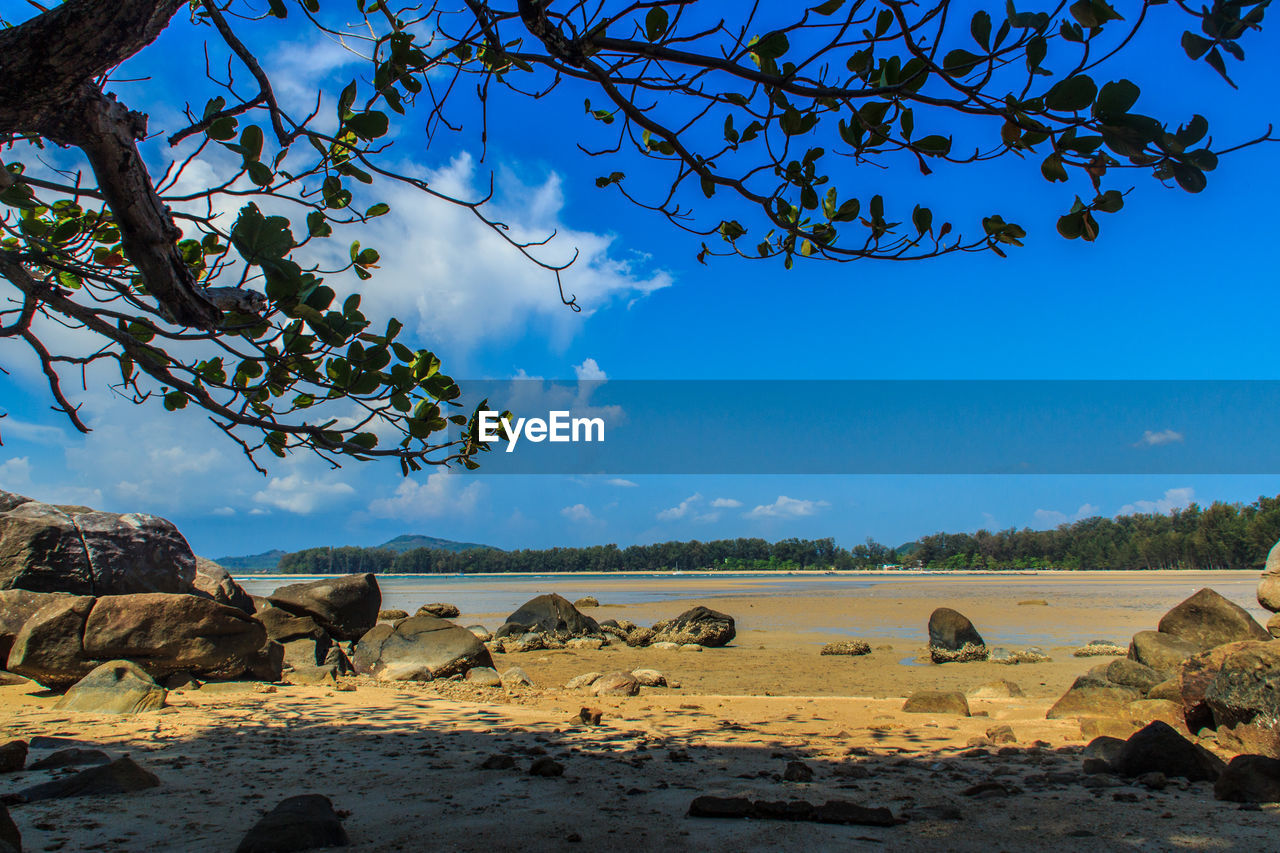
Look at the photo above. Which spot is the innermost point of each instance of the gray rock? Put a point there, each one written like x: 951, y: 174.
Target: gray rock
x: 10, y: 837
x: 216, y: 582
x: 1162, y: 652
x: 72, y: 756
x: 115, y: 687
x: 1104, y: 748
x: 1207, y: 619
x: 322, y: 676
x: 305, y: 822
x: 586, y: 679
x: 482, y: 633
x: 1157, y: 747
x: 516, y: 677
x: 616, y: 684
x: 951, y: 632
x: 1130, y: 673
x: 13, y: 755
x: 440, y: 610
x: 121, y: 776
x: 549, y: 614
x: 1249, y: 779
x: 700, y: 625
x: 1269, y: 585
x: 418, y: 646
x: 649, y: 677
x: 1247, y: 687
x: 346, y: 607
x: 937, y: 702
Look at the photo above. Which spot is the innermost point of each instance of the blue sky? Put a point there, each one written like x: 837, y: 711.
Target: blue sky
x: 1178, y: 287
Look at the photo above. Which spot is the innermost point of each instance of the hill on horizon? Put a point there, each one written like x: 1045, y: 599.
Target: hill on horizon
x: 270, y: 560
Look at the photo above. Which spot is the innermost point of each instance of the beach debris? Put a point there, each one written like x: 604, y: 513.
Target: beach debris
x: 393, y: 615
x: 549, y: 614
x: 439, y: 609
x: 1158, y: 747
x: 304, y: 822
x: 546, y: 766
x: 586, y: 679
x: 649, y: 677
x: 482, y: 633
x: 1101, y: 648
x: 1210, y: 620
x: 1249, y: 779
x: 346, y: 606
x: 700, y: 625
x: 419, y: 648
x: 797, y: 771
x: 937, y: 702
x: 1000, y: 689
x: 587, y: 601
x: 616, y: 684
x: 590, y: 716
x: 833, y: 811
x: 13, y: 756
x: 73, y: 756
x: 516, y: 677
x: 115, y: 687
x: 1002, y: 733
x: 484, y: 676
x: 953, y: 639
x: 498, y: 761
x: 215, y: 582
x: 1269, y: 583
x: 1161, y: 652
x: 121, y: 776
x: 10, y: 837
x: 1031, y: 654
x: 847, y: 647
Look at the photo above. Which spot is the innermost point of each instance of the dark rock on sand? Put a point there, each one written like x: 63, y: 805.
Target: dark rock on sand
x: 115, y: 687
x: 121, y: 776
x: 952, y: 638
x: 1249, y: 779
x: 937, y: 702
x: 797, y: 771
x: 72, y: 756
x: 439, y: 610
x: 419, y: 648
x: 13, y: 756
x: 1247, y: 686
x: 546, y: 766
x: 848, y: 647
x: 1162, y: 652
x: 548, y: 614
x: 1207, y: 619
x: 833, y: 811
x: 216, y: 582
x: 346, y: 607
x: 10, y: 837
x: 305, y: 822
x: 700, y: 625
x: 1157, y: 747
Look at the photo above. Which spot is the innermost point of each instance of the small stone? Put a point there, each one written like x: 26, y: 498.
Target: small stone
x: 119, y: 777
x: 690, y: 647
x: 649, y: 677
x: 314, y: 675
x: 848, y: 647
x: 484, y: 676
x: 1002, y: 734
x: 587, y: 601
x: 13, y: 756
x: 516, y: 677
x: 546, y: 766
x: 797, y: 771
x: 498, y: 762
x: 439, y: 610
x: 392, y: 615
x: 590, y: 716
x: 589, y: 643
x: 580, y: 681
x: 616, y: 684
x: 664, y: 646
x: 937, y: 702
x: 1155, y: 780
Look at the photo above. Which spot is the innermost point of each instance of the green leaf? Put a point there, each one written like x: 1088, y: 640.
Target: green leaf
x: 1189, y: 177
x: 1116, y: 98
x: 261, y: 239
x: 368, y: 125
x: 1072, y: 94
x: 251, y: 143
x: 318, y: 224
x: 771, y: 46
x: 922, y: 219
x: 980, y: 29
x: 828, y: 8
x: 379, y: 209
x: 960, y: 61
x: 655, y: 23
x: 222, y: 129
x: 1052, y: 168
x: 1195, y: 46
x: 934, y: 146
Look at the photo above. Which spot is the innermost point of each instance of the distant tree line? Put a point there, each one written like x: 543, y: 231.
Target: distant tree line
x: 1220, y: 536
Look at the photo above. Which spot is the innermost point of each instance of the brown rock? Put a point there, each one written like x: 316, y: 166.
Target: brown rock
x: 16, y: 607
x: 115, y: 687
x: 1247, y: 686
x: 119, y: 777
x: 419, y: 648
x: 1085, y: 699
x: 346, y: 607
x: 937, y: 702
x: 1269, y: 585
x: 616, y: 684
x: 50, y: 646
x: 216, y: 582
x: 1170, y: 689
x: 1162, y: 652
x: 1147, y: 710
x: 1207, y: 619
x: 13, y: 756
x: 1245, y: 737
x: 439, y: 610
x: 1249, y: 779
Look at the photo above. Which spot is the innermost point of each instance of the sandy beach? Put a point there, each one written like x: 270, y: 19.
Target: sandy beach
x: 402, y: 762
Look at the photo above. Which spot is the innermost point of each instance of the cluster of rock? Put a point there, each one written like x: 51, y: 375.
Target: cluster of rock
x: 847, y: 647
x: 1208, y: 666
x: 553, y: 622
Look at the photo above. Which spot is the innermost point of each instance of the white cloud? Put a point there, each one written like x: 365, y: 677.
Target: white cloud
x: 442, y: 493
x: 589, y: 371
x: 299, y: 494
x: 578, y: 513
x: 681, y: 510
x: 785, y: 507
x: 15, y: 474
x: 224, y: 511
x: 1053, y: 517
x: 1156, y: 439
x: 726, y: 503
x: 11, y: 427
x: 1173, y: 499
x: 621, y: 483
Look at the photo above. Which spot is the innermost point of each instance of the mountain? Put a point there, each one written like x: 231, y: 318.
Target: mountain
x: 263, y: 562
x: 409, y: 541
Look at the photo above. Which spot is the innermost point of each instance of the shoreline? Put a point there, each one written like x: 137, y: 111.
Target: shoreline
x: 1242, y: 573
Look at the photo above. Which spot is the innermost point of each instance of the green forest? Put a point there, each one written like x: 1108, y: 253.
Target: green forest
x: 1220, y: 536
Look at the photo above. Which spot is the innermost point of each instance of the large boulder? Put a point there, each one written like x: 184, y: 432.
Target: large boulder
x: 305, y: 642
x: 165, y: 634
x: 1195, y: 677
x: 1162, y: 652
x: 47, y: 548
x: 304, y: 822
x: 549, y: 614
x: 1269, y: 585
x: 952, y: 637
x: 49, y: 648
x: 1086, y: 698
x: 1208, y: 620
x: 346, y: 607
x: 1249, y: 779
x: 1130, y: 673
x: 419, y: 648
x: 115, y: 687
x: 16, y: 607
x: 701, y: 625
x: 1158, y: 748
x: 216, y: 582
x: 1247, y: 686
x: 937, y: 702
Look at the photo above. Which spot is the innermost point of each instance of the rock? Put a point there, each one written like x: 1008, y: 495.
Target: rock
x: 13, y: 756
x: 16, y: 607
x: 481, y: 632
x: 995, y: 690
x: 305, y: 652
x: 71, y: 757
x: 216, y: 582
x: 585, y: 680
x: 1157, y: 747
x: 49, y: 648
x: 346, y: 607
x: 1104, y: 748
x: 311, y: 676
x: 587, y: 601
x: 833, y: 811
x: 665, y: 646
x: 847, y: 647
x: 1242, y: 737
x: 1207, y: 619
x: 649, y: 677
x: 952, y: 638
x: 689, y: 647
x: 305, y: 642
x: 549, y: 614
x: 1249, y: 779
x: 166, y: 633
x: 1168, y: 689
x: 393, y: 615
x: 516, y: 677
x: 616, y: 684
x: 180, y: 682
x: 1247, y: 686
x: 1100, y: 648
x: 418, y: 646
x: 1195, y: 676
x: 498, y: 762
x: 640, y: 637
x: 1086, y: 698
x: 121, y: 776
x: 440, y: 610
x: 46, y: 548
x: 720, y: 807
x: 484, y: 676
x: 267, y: 663
x: 304, y: 822
x: 1146, y: 710
x: 1104, y: 727
x: 591, y: 643
x: 1032, y: 654
x: 1162, y: 652
x: 1002, y: 733
x: 937, y: 702
x: 1273, y: 625
x: 797, y: 771
x: 1130, y: 673
x: 700, y: 625
x: 1269, y: 585
x: 10, y: 837
x: 546, y: 766
x: 115, y: 687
